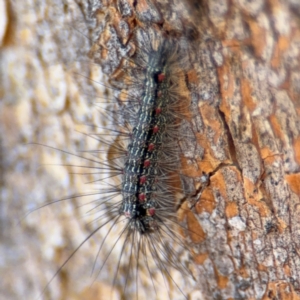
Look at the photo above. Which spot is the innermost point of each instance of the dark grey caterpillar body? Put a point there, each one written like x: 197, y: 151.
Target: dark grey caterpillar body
x: 135, y: 209
x: 144, y: 151
x: 145, y: 161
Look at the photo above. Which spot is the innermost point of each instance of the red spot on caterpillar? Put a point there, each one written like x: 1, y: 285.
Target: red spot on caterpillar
x: 158, y: 110
x: 147, y: 163
x: 151, y: 211
x: 127, y: 214
x: 142, y: 197
x: 161, y: 77
x: 155, y: 129
x: 143, y: 179
x: 151, y: 147
x: 159, y: 93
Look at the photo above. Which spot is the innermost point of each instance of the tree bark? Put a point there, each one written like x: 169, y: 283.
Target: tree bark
x: 243, y: 80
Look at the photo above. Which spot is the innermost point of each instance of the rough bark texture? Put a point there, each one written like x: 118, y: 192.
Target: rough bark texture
x: 244, y: 82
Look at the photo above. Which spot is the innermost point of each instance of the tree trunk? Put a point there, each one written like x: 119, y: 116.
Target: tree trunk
x: 244, y: 84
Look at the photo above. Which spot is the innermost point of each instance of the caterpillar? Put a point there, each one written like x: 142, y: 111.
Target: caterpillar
x: 145, y: 160
x: 147, y: 166
x: 136, y: 215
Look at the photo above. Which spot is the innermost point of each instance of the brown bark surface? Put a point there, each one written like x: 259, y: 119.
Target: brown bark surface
x: 244, y: 84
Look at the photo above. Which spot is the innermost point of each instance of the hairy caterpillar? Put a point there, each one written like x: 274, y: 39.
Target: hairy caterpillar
x: 147, y: 164
x: 170, y: 87
x: 145, y: 160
